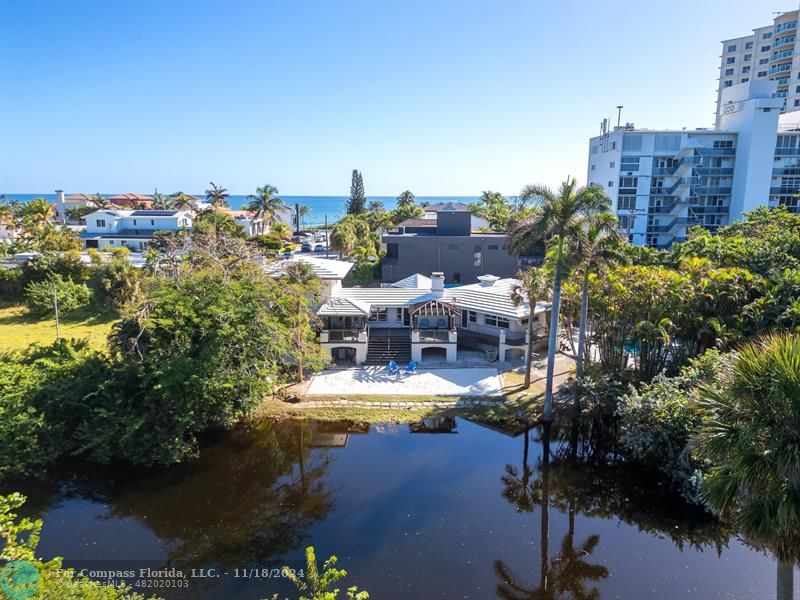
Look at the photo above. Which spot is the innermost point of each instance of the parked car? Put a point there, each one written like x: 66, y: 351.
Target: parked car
x: 319, y: 248
x: 287, y: 254
x: 306, y: 246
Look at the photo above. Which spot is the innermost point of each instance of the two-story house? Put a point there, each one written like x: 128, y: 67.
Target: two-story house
x: 133, y: 229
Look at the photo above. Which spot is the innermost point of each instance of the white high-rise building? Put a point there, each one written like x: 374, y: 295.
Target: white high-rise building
x: 663, y: 182
x: 769, y: 53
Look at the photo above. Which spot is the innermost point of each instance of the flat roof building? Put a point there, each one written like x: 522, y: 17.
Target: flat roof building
x: 661, y: 183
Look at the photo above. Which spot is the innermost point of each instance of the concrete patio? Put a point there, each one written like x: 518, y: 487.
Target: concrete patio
x: 378, y: 381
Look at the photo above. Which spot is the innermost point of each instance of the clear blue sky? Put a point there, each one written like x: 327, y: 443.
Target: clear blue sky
x: 441, y: 98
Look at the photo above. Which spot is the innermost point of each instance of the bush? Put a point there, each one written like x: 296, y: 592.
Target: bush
x: 267, y: 242
x: 658, y: 422
x: 11, y: 283
x: 68, y: 265
x: 71, y: 295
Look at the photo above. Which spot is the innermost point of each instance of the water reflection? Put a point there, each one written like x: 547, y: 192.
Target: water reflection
x: 565, y: 574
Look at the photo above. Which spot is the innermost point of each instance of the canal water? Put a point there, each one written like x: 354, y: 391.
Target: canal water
x: 438, y: 509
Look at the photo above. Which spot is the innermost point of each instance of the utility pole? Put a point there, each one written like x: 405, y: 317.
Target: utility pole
x: 619, y: 114
x: 55, y: 306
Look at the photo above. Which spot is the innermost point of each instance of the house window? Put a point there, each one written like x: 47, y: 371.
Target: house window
x: 134, y: 221
x: 101, y: 222
x: 152, y: 222
x: 111, y: 242
x: 472, y: 316
x: 378, y: 314
x: 496, y: 321
x: 476, y: 256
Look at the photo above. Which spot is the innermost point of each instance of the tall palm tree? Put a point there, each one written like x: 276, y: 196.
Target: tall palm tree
x: 181, y: 201
x: 265, y: 203
x: 302, y: 212
x: 100, y: 201
x: 598, y: 245
x: 555, y: 220
x: 532, y: 286
x: 217, y: 196
x: 37, y: 213
x: 750, y: 433
x: 160, y: 201
x: 406, y: 199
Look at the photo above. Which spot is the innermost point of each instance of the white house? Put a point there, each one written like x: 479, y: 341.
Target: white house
x: 133, y: 229
x: 330, y: 271
x: 376, y: 325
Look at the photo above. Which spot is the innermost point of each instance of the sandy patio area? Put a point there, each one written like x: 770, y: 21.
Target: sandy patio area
x: 377, y: 381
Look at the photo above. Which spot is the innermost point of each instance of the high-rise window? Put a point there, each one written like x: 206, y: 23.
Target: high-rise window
x: 626, y: 202
x: 747, y: 57
x: 748, y: 45
x: 746, y: 69
x: 762, y: 74
x: 629, y: 163
x: 765, y: 48
x: 729, y: 72
x: 730, y: 60
x: 728, y: 83
x: 732, y: 48
x: 763, y: 61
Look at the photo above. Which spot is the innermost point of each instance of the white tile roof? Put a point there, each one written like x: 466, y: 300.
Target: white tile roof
x: 415, y: 281
x: 493, y: 299
x: 343, y: 307
x: 324, y: 268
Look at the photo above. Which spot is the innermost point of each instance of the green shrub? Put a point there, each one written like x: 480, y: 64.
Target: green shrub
x: 68, y: 265
x: 267, y: 242
x: 11, y: 284
x: 71, y: 295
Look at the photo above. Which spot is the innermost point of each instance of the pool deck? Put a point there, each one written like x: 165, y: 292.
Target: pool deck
x: 378, y: 381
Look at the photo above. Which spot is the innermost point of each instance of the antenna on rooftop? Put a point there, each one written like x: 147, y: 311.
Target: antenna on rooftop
x: 619, y: 114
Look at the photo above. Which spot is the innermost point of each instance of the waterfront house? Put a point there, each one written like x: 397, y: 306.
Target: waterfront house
x: 132, y: 229
x: 376, y: 325
x: 331, y: 272
x: 448, y: 244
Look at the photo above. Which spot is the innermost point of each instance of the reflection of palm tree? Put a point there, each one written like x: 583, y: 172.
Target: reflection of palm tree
x: 566, y: 573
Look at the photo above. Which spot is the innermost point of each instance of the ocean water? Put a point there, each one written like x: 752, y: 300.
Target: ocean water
x: 332, y: 207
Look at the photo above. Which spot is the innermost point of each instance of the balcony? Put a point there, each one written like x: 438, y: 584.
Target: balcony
x: 343, y: 335
x: 788, y: 26
x: 718, y: 171
x: 712, y: 191
x: 783, y: 190
x: 434, y: 336
x: 704, y: 151
x: 787, y: 152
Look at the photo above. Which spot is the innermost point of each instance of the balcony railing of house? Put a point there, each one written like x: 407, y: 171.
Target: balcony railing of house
x: 433, y: 335
x: 343, y: 335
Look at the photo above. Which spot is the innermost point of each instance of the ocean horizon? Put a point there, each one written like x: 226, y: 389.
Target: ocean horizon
x: 332, y: 207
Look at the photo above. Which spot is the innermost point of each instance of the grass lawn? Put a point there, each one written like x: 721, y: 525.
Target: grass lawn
x: 19, y: 329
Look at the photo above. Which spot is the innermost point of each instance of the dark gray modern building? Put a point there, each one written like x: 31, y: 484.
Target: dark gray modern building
x: 446, y: 244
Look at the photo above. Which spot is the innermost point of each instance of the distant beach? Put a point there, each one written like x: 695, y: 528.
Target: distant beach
x: 321, y: 206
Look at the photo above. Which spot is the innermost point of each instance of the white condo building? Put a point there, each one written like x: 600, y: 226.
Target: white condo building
x: 768, y: 53
x: 663, y: 182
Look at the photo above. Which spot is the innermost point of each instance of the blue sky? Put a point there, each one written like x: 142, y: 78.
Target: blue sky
x: 443, y: 98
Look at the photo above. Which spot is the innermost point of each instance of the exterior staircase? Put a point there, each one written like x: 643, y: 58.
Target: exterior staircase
x: 388, y: 344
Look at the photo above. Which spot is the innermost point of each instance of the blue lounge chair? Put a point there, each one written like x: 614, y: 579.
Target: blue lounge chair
x: 393, y: 368
x: 412, y: 367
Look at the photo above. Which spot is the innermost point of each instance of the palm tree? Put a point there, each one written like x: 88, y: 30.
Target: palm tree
x: 532, y: 286
x: 160, y: 201
x: 265, y: 203
x: 599, y: 244
x: 555, y: 220
x: 750, y: 433
x: 282, y: 230
x: 302, y: 212
x: 181, y: 201
x: 100, y: 201
x: 37, y: 213
x: 217, y: 196
x: 406, y: 199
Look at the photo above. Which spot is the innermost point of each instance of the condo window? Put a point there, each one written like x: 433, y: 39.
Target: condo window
x: 723, y: 143
x: 748, y: 45
x: 626, y: 221
x: 728, y: 71
x: 747, y: 57
x: 629, y: 163
x: 765, y: 48
x: 730, y: 60
x: 797, y: 90
x: 101, y: 222
x: 592, y: 169
x: 766, y: 36
x: 496, y: 321
x: 745, y: 79
x: 728, y: 83
x: 610, y: 184
x: 797, y: 102
x: 762, y: 74
x: 746, y: 69
x: 611, y: 164
x: 626, y: 203
x: 732, y: 48
x: 628, y: 182
x: 763, y: 61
